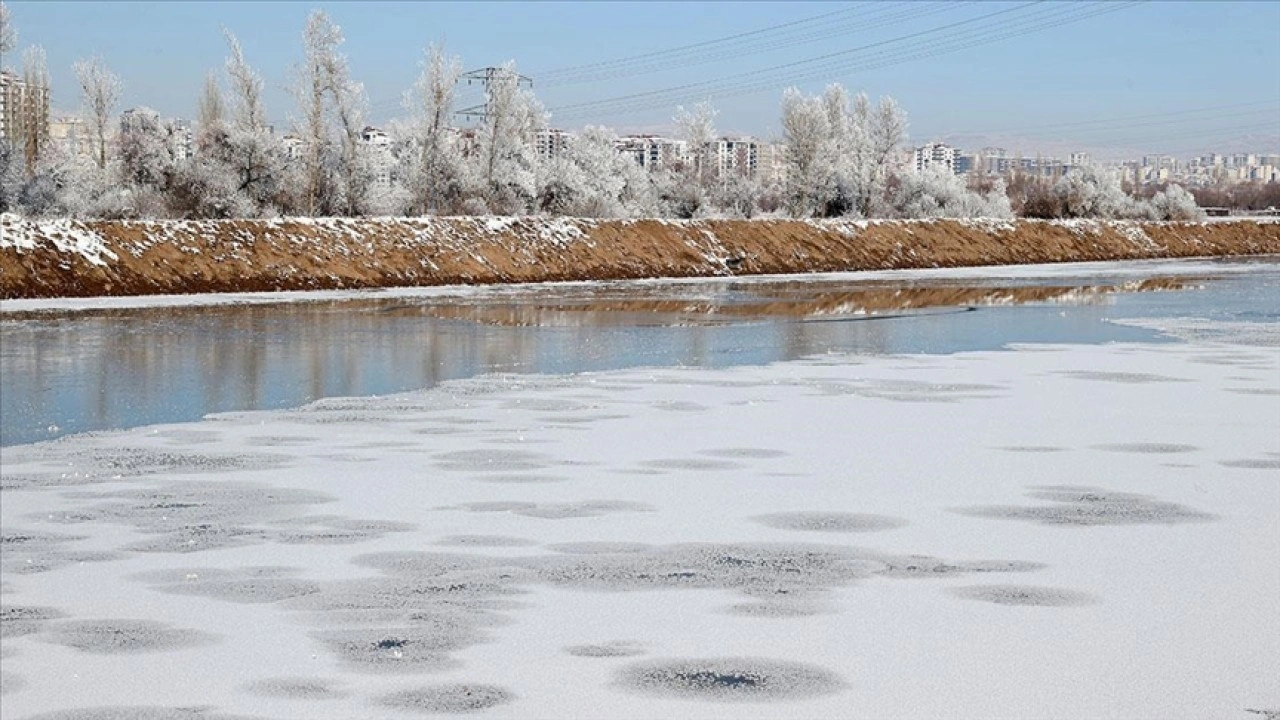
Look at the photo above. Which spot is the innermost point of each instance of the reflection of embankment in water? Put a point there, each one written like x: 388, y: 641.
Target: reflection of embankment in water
x: 774, y: 300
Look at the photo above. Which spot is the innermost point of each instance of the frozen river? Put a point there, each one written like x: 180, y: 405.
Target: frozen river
x: 1043, y: 492
x: 106, y: 365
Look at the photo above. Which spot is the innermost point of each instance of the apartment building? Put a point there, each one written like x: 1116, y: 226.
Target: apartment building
x: 551, y: 142
x: 934, y: 154
x: 21, y: 104
x: 652, y: 152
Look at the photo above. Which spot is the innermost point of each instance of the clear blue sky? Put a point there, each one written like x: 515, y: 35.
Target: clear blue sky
x: 1099, y: 83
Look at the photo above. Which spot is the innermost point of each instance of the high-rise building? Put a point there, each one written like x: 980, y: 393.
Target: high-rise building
x: 933, y: 155
x: 21, y: 105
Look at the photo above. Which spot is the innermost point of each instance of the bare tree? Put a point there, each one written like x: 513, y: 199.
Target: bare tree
x: 34, y: 114
x: 100, y: 92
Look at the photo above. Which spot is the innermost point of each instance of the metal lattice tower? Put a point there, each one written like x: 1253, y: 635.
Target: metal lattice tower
x: 486, y: 76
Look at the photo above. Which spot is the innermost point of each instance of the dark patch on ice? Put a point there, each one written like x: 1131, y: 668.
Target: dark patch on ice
x: 1266, y: 714
x: 190, y: 437
x: 200, y: 537
x: 134, y: 462
x: 243, y: 585
x: 139, y: 712
x: 836, y: 522
x: 616, y: 648
x: 493, y: 460
x: 923, y: 566
x: 1024, y: 595
x: 485, y: 541
x: 912, y: 390
x: 742, y: 679
x: 335, y: 530
x: 545, y: 405
x: 559, y: 511
x: 454, y: 698
x: 281, y: 440
x: 600, y: 548
x: 777, y: 609
x: 110, y: 637
x: 690, y: 464
x: 194, y: 516
x: 1147, y: 448
x: 10, y: 683
x: 294, y: 688
x: 1254, y: 391
x: 744, y: 452
x: 19, y: 620
x: 680, y: 406
x: 1033, y: 448
x: 521, y: 478
x: 1252, y: 463
x: 1085, y: 506
x: 407, y: 649
x: 1121, y: 377
x: 26, y: 552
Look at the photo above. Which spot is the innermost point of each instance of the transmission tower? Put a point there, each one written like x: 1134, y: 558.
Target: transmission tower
x: 486, y: 76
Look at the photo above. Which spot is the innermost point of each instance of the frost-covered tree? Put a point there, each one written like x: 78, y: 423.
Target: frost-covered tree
x: 839, y: 151
x: 887, y: 130
x: 1175, y: 203
x: 1091, y: 192
x: 697, y: 127
x: 940, y: 193
x: 592, y: 179
x: 250, y: 152
x: 146, y: 150
x: 33, y: 116
x: 320, y: 39
x: 434, y: 171
x: 8, y: 33
x: 807, y: 134
x: 507, y: 157
x: 210, y: 113
x: 99, y: 92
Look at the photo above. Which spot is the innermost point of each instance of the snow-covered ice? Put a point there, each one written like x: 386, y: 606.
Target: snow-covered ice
x: 1049, y: 531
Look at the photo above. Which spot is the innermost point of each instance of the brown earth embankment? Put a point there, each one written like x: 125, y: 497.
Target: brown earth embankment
x: 41, y: 259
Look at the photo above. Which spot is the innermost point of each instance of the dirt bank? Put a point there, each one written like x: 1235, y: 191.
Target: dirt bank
x: 64, y: 258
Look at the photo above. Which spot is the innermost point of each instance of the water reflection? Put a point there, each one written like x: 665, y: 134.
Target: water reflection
x: 72, y: 372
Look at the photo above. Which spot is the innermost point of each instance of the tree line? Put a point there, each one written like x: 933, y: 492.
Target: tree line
x: 841, y: 157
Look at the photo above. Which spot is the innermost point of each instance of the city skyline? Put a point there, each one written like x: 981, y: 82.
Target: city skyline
x: 632, y: 80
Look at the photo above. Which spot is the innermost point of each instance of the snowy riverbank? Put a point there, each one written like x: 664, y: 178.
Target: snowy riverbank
x: 62, y: 258
x: 1091, y: 532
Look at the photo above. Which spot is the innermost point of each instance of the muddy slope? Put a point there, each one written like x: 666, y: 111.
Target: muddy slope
x: 79, y: 259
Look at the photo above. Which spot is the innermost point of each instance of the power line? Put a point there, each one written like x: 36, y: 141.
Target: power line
x: 573, y: 69
x: 720, y: 54
x: 707, y: 51
x: 770, y: 78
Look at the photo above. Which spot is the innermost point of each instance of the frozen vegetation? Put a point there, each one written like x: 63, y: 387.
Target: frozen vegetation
x: 841, y: 158
x: 889, y: 536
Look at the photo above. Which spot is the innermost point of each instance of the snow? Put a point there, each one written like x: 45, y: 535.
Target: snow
x: 651, y: 516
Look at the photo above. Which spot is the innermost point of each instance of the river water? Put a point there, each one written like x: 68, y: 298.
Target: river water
x: 65, y: 372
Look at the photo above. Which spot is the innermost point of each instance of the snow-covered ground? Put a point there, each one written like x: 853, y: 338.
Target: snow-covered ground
x: 1063, y: 531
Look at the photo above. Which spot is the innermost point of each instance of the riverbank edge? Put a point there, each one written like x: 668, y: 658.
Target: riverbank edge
x: 66, y: 258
